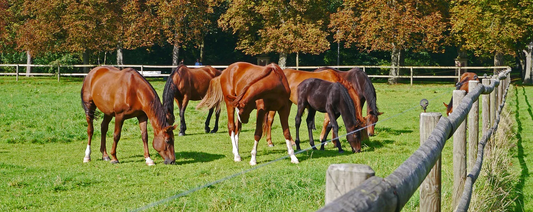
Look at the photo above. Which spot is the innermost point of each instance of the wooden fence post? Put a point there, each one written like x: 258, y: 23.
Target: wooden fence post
x: 493, y: 103
x: 341, y: 178
x: 485, y: 108
x: 459, y: 152
x: 473, y: 127
x: 17, y: 70
x: 430, y: 190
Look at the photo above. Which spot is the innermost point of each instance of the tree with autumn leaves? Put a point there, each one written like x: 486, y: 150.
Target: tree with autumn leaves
x: 391, y: 25
x: 269, y: 26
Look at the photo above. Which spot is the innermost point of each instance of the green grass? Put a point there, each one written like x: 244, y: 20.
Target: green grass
x: 43, y: 139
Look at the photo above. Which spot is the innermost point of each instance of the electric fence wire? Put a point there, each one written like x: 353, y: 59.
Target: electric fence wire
x: 156, y: 203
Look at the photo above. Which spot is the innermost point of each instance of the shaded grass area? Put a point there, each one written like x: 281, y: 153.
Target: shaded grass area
x: 43, y: 139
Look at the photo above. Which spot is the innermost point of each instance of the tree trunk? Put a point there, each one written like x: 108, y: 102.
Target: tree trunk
x: 528, y: 67
x: 120, y: 57
x: 282, y: 60
x: 175, y: 54
x: 28, y: 63
x: 498, y: 61
x: 86, y: 60
x: 395, y: 61
x: 202, y: 52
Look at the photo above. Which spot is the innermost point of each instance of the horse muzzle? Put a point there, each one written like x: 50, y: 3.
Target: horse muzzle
x: 169, y: 162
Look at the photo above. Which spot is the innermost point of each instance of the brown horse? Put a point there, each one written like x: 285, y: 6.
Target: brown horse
x: 186, y: 84
x: 125, y: 94
x: 461, y: 85
x: 366, y: 91
x: 295, y: 77
x: 245, y: 87
x: 333, y: 99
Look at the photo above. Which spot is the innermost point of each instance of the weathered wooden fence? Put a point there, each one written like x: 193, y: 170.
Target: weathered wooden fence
x: 405, y: 72
x: 393, y: 192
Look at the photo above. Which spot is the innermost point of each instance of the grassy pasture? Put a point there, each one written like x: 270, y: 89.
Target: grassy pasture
x: 43, y: 139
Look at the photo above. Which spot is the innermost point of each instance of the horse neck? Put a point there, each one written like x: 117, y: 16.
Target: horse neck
x: 355, y: 98
x: 168, y: 96
x: 347, y: 110
x: 155, y: 113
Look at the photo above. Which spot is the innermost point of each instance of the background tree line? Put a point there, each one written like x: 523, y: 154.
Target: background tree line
x: 304, y: 32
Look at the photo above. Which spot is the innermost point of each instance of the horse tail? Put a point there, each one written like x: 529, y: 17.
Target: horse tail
x: 214, y: 96
x: 243, y: 90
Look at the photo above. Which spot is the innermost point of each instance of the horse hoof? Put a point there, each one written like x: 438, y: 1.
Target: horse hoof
x: 314, y: 148
x: 86, y: 160
x: 207, y: 130
x: 253, y: 163
x: 181, y: 134
x: 114, y: 162
x: 106, y: 158
x: 214, y: 131
x: 271, y: 145
x: 341, y: 151
x: 237, y: 159
x: 322, y: 148
x: 295, y: 161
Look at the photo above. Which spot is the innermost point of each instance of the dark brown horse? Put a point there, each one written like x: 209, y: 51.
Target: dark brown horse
x: 461, y: 85
x: 125, y: 94
x: 295, y: 77
x: 186, y: 84
x: 333, y: 99
x: 367, y: 93
x: 245, y: 87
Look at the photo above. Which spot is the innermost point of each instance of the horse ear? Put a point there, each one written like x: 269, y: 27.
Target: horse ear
x: 170, y: 128
x: 445, y: 105
x: 380, y: 113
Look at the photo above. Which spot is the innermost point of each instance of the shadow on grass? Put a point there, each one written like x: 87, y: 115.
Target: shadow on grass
x: 196, y: 157
x: 524, y: 174
x: 391, y: 131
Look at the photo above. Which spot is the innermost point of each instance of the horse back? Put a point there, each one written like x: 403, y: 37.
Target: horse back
x: 295, y: 77
x: 247, y: 81
x: 114, y: 91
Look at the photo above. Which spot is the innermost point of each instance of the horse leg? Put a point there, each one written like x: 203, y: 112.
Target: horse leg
x: 297, y: 122
x: 284, y: 119
x: 90, y: 131
x: 257, y: 136
x: 269, y: 120
x: 183, y: 126
x: 328, y: 129
x: 119, y: 121
x: 311, y: 125
x: 143, y: 120
x: 207, y: 120
x: 324, y: 132
x: 217, y: 116
x: 104, y: 128
x: 232, y: 132
x: 335, y: 126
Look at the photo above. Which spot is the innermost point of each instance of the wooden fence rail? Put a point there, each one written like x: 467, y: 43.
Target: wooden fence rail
x: 401, y: 75
x: 393, y: 192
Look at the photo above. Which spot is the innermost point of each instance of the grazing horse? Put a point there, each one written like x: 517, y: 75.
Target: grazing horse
x: 245, y: 87
x: 333, y: 99
x: 125, y: 94
x: 186, y: 84
x: 360, y: 81
x: 461, y: 85
x: 295, y: 77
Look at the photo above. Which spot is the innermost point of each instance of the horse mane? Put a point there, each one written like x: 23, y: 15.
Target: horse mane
x: 348, y: 86
x: 369, y: 92
x: 168, y: 94
x: 155, y: 103
x: 265, y: 73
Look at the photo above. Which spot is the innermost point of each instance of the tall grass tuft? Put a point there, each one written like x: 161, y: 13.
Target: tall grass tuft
x: 494, y: 189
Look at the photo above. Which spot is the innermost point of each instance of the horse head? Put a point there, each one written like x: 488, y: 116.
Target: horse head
x: 164, y: 143
x: 371, y: 119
